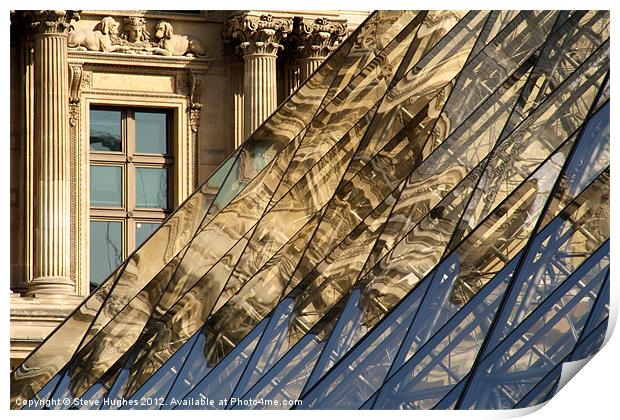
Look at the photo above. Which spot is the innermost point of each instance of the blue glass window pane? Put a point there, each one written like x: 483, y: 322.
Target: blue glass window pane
x: 534, y: 348
x: 350, y: 384
x: 591, y: 343
x: 44, y: 394
x: 285, y: 381
x: 143, y: 230
x: 105, y: 130
x: 106, y: 249
x: 152, y: 188
x: 152, y: 132
x: 439, y: 364
x: 159, y: 384
x: 591, y: 155
x: 199, y: 378
x: 106, y: 186
x: 102, y: 387
x: 543, y: 390
x: 601, y: 308
x: 270, y: 346
x: 113, y: 397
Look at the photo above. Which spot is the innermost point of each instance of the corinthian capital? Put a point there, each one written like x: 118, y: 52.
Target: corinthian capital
x: 317, y: 37
x: 52, y: 21
x: 257, y: 34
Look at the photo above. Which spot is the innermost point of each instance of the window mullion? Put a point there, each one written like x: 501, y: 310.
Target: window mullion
x: 130, y: 189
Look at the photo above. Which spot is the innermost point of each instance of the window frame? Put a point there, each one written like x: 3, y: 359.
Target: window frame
x: 129, y: 160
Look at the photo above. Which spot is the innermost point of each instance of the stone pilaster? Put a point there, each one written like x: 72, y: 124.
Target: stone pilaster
x: 236, y: 87
x: 291, y: 79
x: 51, y: 186
x: 258, y: 40
x: 22, y: 120
x: 314, y: 40
x: 307, y: 66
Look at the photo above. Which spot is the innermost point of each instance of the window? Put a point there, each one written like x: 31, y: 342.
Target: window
x: 130, y: 167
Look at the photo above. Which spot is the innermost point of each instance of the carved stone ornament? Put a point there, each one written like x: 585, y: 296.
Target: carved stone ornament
x: 258, y: 34
x: 134, y: 38
x: 135, y: 33
x: 171, y: 44
x: 318, y: 37
x: 195, y: 83
x: 195, y: 103
x: 75, y: 85
x: 52, y: 21
x: 194, y: 119
x: 182, y: 84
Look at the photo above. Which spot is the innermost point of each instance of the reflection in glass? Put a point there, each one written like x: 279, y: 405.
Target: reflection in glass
x: 151, y: 132
x: 143, y: 230
x: 106, y: 186
x: 411, y: 229
x: 152, y: 188
x: 105, y: 130
x: 106, y: 249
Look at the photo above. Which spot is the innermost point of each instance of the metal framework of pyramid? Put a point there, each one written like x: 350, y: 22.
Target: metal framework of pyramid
x: 423, y: 224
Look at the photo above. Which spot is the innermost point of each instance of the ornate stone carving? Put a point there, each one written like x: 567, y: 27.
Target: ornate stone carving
x: 195, y: 106
x: 75, y: 85
x: 103, y: 38
x: 181, y: 85
x: 258, y: 34
x: 195, y: 83
x: 171, y: 44
x: 194, y: 119
x: 195, y: 103
x: 52, y: 21
x: 318, y: 37
x: 134, y: 31
x: 86, y: 80
x: 258, y: 40
x: 134, y: 38
x: 77, y: 80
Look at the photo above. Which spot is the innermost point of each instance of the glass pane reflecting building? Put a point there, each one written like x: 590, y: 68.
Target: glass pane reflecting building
x: 422, y: 224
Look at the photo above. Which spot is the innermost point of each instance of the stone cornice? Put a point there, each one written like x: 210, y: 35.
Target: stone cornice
x: 175, y: 16
x: 317, y: 38
x: 52, y: 21
x: 254, y: 34
x: 122, y: 59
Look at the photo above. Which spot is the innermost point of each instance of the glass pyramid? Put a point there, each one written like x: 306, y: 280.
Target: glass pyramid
x: 423, y: 224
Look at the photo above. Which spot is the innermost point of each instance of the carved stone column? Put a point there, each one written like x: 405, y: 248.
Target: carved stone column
x: 314, y: 40
x: 51, y: 218
x: 258, y: 40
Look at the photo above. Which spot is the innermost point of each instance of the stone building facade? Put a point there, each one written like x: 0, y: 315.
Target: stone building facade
x: 117, y: 116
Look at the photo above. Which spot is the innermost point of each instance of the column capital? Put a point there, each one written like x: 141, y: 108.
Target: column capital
x: 257, y: 34
x: 52, y: 21
x: 317, y: 38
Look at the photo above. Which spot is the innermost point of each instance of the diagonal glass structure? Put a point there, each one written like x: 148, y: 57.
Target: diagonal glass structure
x: 423, y: 224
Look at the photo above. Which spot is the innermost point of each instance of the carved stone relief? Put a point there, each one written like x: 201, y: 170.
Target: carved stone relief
x: 318, y: 37
x: 52, y: 21
x: 134, y: 38
x: 172, y: 44
x: 257, y: 34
